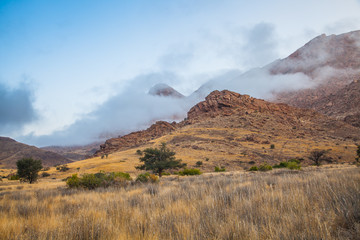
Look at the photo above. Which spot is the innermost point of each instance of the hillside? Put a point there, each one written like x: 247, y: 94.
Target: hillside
x: 235, y: 131
x: 11, y: 151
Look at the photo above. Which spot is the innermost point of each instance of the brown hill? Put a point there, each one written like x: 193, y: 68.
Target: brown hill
x: 332, y: 63
x: 12, y: 151
x: 237, y: 130
x: 135, y: 139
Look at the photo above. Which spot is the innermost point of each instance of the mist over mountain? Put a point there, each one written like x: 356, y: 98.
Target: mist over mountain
x: 325, y: 63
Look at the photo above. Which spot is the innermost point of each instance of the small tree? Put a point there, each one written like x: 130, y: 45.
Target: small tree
x: 28, y: 169
x: 158, y: 160
x: 317, y: 156
x: 358, y: 154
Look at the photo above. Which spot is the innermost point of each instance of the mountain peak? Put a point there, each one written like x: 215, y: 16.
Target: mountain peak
x: 164, y: 90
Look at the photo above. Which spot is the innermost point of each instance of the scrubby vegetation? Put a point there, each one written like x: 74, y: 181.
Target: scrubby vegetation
x: 189, y: 172
x: 101, y: 179
x: 147, y: 177
x: 320, y: 204
x: 293, y: 164
x: 62, y: 168
x: 219, y: 169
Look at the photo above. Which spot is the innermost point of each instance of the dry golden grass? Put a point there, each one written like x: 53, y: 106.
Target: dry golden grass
x: 317, y: 203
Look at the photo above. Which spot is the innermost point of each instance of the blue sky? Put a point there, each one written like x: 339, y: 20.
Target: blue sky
x: 63, y: 61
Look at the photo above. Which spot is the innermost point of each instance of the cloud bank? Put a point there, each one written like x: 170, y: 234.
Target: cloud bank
x: 16, y: 108
x: 129, y: 110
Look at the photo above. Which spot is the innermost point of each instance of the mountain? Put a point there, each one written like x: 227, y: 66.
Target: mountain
x: 323, y: 67
x: 333, y: 65
x: 74, y: 153
x: 236, y: 130
x: 164, y: 90
x: 12, y: 151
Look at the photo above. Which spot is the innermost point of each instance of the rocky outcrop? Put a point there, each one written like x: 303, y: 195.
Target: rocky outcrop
x: 227, y: 103
x: 135, y: 139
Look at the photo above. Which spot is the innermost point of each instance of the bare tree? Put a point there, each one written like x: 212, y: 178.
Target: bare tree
x: 317, y: 156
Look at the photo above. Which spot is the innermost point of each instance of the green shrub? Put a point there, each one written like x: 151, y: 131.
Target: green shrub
x: 123, y: 175
x: 199, y: 163
x: 207, y: 159
x: 100, y: 179
x: 281, y: 165
x: 187, y: 172
x: 272, y: 146
x: 293, y: 166
x: 62, y: 168
x: 222, y: 169
x: 139, y: 152
x: 90, y: 181
x: 265, y: 167
x: 13, y: 177
x: 147, y: 177
x: 45, y: 174
x: 73, y: 181
x: 254, y: 168
x: 295, y: 160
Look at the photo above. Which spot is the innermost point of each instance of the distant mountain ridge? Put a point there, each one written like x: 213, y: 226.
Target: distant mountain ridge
x: 12, y: 151
x: 333, y: 63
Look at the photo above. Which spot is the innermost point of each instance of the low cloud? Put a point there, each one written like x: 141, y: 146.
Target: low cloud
x: 261, y: 45
x: 257, y: 82
x: 129, y: 110
x: 16, y: 108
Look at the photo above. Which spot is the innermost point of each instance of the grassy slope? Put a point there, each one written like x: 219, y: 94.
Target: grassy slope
x: 223, y: 147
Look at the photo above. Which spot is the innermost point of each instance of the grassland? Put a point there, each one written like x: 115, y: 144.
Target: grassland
x: 316, y: 203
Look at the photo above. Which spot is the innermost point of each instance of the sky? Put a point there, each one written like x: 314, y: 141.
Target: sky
x: 74, y: 72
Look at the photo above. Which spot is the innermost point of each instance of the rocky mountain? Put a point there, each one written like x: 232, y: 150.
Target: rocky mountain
x: 333, y: 65
x: 236, y: 129
x: 12, y: 151
x: 164, y: 90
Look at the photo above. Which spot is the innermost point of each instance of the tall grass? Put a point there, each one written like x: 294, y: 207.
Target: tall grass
x: 282, y: 204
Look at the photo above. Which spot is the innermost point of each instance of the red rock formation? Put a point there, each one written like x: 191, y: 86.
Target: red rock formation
x: 227, y: 103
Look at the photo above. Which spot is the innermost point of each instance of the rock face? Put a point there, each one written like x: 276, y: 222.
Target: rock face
x: 227, y: 103
x: 164, y: 90
x: 332, y: 63
x: 134, y: 139
x: 344, y: 104
x: 12, y: 151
